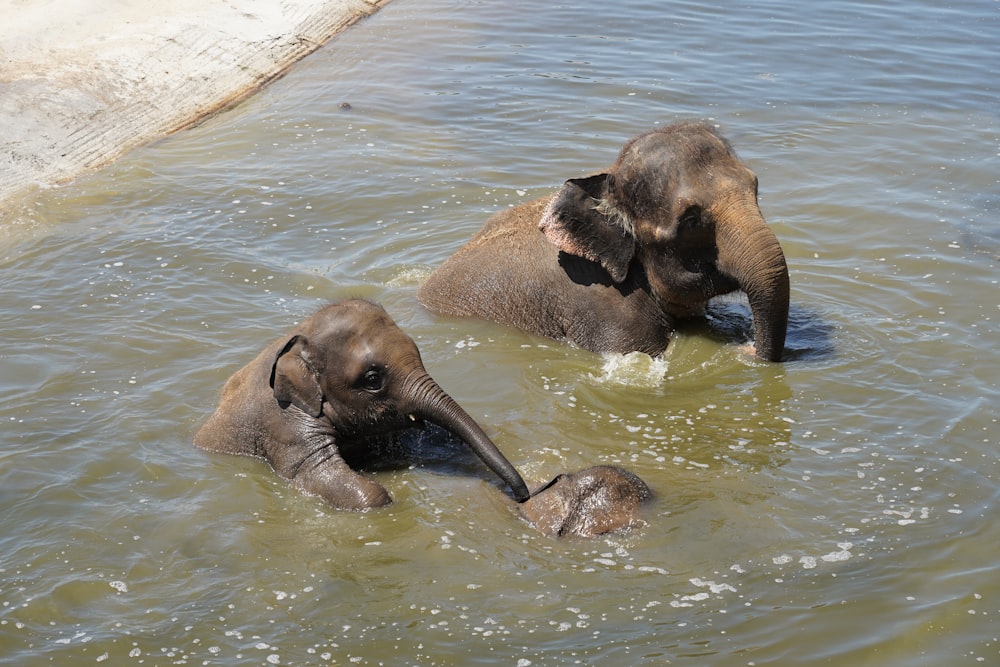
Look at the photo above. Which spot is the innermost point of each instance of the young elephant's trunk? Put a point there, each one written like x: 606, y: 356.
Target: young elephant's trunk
x: 432, y: 403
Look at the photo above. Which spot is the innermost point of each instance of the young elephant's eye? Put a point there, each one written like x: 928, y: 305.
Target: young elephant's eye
x: 372, y: 380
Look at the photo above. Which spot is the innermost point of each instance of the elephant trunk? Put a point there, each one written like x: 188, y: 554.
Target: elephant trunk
x: 749, y: 251
x: 435, y: 405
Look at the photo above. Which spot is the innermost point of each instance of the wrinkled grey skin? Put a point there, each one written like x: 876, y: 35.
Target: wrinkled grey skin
x: 322, y: 396
x: 612, y: 261
x: 595, y: 501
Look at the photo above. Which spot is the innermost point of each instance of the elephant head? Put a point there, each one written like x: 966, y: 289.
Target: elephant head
x: 320, y: 397
x: 682, y: 208
x: 595, y: 501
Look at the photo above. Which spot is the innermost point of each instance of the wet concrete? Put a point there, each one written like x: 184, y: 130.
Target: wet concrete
x: 82, y: 84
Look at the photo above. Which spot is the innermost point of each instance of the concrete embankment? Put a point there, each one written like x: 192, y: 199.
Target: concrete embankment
x: 82, y: 83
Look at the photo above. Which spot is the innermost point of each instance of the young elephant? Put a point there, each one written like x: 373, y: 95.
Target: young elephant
x: 321, y: 395
x: 595, y: 501
x: 611, y: 261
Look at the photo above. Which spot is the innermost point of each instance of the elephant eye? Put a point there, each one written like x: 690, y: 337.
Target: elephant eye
x: 691, y: 218
x: 372, y: 380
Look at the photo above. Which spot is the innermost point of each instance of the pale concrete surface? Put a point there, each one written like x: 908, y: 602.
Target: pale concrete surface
x: 84, y: 81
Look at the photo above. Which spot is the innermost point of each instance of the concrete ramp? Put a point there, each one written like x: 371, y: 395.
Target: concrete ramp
x: 83, y: 82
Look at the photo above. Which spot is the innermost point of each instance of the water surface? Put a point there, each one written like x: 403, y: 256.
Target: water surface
x: 839, y: 508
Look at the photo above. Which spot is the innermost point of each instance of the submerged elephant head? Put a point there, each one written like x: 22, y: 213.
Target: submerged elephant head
x: 325, y: 392
x: 595, y: 501
x: 681, y: 208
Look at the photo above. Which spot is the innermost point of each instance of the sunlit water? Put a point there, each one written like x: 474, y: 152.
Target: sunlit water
x: 840, y: 508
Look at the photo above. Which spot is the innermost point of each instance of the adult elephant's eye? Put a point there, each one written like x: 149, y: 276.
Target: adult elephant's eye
x: 690, y: 219
x: 372, y: 380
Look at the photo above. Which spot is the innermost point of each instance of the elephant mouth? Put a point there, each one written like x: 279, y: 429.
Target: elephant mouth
x: 686, y: 310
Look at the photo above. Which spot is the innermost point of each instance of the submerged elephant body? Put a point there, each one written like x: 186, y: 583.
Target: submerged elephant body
x: 612, y: 261
x: 316, y: 398
x: 592, y: 502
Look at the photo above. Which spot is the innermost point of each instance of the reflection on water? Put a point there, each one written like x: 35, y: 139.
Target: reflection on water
x: 834, y: 508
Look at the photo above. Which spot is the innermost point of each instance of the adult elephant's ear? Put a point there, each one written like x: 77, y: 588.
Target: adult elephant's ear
x: 293, y: 378
x: 579, y: 222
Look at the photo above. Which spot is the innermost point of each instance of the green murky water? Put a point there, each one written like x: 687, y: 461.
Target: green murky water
x: 837, y: 509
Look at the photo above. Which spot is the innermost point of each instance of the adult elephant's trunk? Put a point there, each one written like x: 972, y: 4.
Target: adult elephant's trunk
x: 430, y: 402
x: 749, y: 251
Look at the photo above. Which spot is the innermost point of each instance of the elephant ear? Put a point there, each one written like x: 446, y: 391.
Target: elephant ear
x: 579, y: 222
x: 293, y: 378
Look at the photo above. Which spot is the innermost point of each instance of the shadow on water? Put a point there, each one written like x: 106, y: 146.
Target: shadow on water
x: 426, y: 446
x: 728, y: 320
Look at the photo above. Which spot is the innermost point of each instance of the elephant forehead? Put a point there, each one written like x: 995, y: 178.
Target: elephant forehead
x: 357, y: 331
x: 346, y: 314
x: 548, y: 511
x: 354, y: 319
x: 678, y: 145
x: 377, y: 345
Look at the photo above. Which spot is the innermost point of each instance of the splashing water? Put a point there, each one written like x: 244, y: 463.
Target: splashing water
x: 634, y: 369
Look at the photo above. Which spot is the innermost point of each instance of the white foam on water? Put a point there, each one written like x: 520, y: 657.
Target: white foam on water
x: 634, y: 369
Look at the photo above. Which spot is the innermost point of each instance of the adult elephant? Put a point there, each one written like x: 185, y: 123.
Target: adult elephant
x: 323, y: 396
x: 612, y: 261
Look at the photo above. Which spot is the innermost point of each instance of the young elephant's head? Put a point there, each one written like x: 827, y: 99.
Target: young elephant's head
x: 681, y: 208
x: 595, y: 501
x: 352, y: 367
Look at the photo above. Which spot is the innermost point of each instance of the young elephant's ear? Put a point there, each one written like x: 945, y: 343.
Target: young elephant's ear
x: 293, y: 378
x: 579, y: 222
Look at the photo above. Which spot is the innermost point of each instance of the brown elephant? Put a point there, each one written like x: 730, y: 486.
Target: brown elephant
x: 595, y: 501
x: 610, y: 262
x: 323, y: 395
